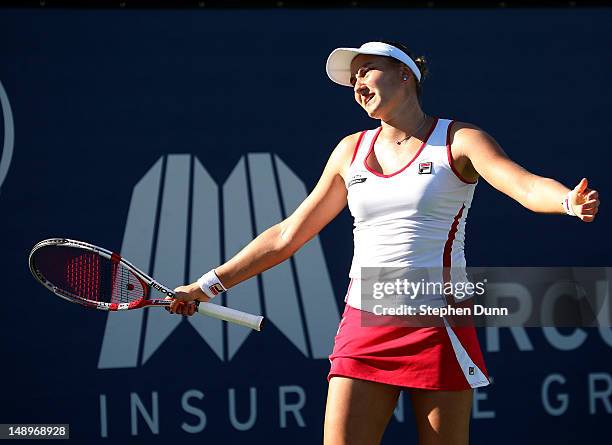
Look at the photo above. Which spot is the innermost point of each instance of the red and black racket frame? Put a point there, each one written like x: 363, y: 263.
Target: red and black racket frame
x: 146, y: 281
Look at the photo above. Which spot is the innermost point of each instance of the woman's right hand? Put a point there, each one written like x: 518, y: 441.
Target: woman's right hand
x: 181, y: 307
x: 185, y: 301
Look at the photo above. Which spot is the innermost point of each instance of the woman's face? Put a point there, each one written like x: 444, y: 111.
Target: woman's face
x: 377, y: 83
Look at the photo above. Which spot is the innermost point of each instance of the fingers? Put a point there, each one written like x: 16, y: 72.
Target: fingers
x: 588, y: 210
x: 594, y: 204
x: 592, y: 211
x: 588, y: 214
x: 591, y: 194
x: 192, y: 309
x: 582, y: 185
x: 585, y: 201
x: 182, y: 307
x: 188, y: 309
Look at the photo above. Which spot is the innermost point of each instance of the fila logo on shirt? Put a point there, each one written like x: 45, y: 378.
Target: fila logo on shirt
x: 425, y: 168
x: 259, y: 192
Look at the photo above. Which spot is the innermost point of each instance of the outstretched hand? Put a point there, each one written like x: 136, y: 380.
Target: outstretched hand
x: 584, y: 201
x: 184, y: 303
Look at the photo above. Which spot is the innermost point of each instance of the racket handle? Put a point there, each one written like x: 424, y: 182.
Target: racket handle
x: 232, y: 315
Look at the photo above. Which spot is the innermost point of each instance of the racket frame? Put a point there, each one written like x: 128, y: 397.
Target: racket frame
x: 204, y: 308
x: 111, y: 256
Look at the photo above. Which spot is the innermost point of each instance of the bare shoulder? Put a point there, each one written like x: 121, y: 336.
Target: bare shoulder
x: 347, y: 145
x: 342, y: 155
x: 465, y: 137
x: 464, y: 132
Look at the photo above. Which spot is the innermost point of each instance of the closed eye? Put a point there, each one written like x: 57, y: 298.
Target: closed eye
x: 361, y: 72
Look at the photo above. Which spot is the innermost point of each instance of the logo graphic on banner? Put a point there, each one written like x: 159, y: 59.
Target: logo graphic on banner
x: 9, y: 136
x: 173, y: 225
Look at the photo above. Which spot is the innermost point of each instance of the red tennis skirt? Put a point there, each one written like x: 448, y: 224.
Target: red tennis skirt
x: 439, y: 358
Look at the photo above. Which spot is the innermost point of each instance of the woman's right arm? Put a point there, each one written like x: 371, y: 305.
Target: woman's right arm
x: 282, y: 240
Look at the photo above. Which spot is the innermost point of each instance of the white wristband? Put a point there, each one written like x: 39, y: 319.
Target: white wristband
x: 210, y: 284
x: 567, y: 206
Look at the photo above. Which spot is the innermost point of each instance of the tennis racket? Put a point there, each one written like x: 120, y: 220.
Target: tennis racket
x: 97, y: 278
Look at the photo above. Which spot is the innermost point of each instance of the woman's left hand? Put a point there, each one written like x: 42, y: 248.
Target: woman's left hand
x: 584, y: 201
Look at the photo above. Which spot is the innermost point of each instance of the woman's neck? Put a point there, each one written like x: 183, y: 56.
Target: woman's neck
x: 406, y: 122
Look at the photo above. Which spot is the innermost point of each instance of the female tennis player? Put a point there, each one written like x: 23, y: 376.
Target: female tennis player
x: 409, y: 185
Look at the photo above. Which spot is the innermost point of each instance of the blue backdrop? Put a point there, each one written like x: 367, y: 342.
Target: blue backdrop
x: 118, y: 113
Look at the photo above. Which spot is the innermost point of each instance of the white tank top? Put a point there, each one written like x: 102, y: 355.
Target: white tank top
x: 414, y: 217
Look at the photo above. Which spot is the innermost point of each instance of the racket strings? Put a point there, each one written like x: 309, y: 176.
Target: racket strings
x: 98, y: 279
x: 125, y: 286
x: 83, y: 276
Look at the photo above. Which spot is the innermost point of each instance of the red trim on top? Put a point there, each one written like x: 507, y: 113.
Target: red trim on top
x: 416, y: 155
x: 357, y: 146
x: 348, y: 291
x: 450, y: 156
x: 448, y: 247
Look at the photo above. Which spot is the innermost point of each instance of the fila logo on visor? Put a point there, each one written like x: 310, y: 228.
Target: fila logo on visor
x: 425, y: 168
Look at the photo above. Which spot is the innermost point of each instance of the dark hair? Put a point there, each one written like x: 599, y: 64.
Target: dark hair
x: 420, y: 61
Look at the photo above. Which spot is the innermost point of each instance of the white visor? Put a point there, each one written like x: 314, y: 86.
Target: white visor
x: 338, y: 65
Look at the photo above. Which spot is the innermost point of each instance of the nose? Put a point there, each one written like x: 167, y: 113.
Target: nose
x: 360, y: 88
x: 361, y: 93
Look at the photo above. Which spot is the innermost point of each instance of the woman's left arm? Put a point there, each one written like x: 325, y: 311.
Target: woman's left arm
x: 534, y: 192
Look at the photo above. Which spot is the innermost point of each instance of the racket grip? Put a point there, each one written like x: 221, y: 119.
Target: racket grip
x: 232, y: 315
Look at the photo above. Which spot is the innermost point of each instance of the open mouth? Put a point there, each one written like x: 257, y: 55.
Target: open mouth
x: 368, y: 98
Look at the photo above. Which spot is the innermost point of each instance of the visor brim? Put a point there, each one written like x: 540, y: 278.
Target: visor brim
x: 338, y: 66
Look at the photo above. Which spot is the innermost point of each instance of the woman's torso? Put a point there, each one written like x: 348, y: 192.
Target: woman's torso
x: 414, y: 217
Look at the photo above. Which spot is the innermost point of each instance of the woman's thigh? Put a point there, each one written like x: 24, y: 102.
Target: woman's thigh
x: 442, y: 417
x: 358, y: 411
